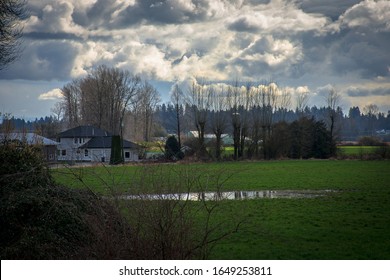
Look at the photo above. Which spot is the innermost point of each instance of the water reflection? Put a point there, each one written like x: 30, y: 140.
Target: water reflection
x: 232, y: 195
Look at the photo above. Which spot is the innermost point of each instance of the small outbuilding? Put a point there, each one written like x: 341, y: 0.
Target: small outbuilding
x: 49, y: 147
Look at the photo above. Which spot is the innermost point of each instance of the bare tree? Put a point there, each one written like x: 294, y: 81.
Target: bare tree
x: 284, y: 103
x: 149, y: 98
x: 58, y: 111
x: 371, y: 111
x: 218, y: 121
x: 268, y: 104
x: 234, y: 96
x: 101, y: 99
x: 256, y: 119
x: 245, y: 102
x: 332, y: 101
x: 71, y: 102
x: 12, y: 12
x: 199, y: 99
x: 176, y: 98
x: 302, y: 99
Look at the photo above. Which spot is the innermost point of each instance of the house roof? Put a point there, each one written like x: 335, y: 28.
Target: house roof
x: 84, y: 131
x: 105, y: 142
x: 30, y: 138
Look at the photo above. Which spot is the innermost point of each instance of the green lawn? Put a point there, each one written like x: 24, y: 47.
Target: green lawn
x: 357, y: 150
x: 353, y: 223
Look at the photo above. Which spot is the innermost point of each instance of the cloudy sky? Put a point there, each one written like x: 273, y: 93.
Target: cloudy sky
x: 311, y: 44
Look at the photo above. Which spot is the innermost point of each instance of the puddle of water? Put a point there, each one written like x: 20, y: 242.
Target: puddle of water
x: 233, y: 195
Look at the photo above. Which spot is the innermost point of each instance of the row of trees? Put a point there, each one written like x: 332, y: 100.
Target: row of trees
x: 126, y: 105
x: 353, y: 124
x: 247, y: 112
x: 112, y: 99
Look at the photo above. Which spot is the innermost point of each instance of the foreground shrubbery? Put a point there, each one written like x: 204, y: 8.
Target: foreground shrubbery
x: 39, y: 220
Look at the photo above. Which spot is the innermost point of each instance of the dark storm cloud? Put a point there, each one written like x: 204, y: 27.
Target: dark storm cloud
x: 243, y: 25
x: 329, y: 8
x: 258, y: 2
x: 361, y: 92
x: 100, y: 14
x: 365, y: 54
x: 52, y: 36
x: 45, y: 60
x: 161, y: 12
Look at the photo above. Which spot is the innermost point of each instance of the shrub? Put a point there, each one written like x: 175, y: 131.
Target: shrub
x: 370, y: 141
x: 39, y: 220
x: 172, y: 149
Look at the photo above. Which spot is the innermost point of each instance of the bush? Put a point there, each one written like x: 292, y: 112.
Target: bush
x: 370, y: 141
x: 39, y: 220
x: 172, y: 149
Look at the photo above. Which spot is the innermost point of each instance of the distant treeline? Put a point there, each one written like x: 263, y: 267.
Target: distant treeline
x: 349, y: 126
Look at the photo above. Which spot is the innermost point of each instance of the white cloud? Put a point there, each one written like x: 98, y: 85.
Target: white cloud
x: 368, y: 14
x: 51, y: 95
x: 56, y: 18
x: 217, y: 39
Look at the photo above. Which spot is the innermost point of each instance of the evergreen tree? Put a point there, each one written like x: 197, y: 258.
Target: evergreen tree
x: 172, y: 149
x: 116, y: 150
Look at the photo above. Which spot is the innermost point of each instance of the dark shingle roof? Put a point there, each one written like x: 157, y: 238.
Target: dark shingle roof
x: 105, y: 142
x: 84, y: 131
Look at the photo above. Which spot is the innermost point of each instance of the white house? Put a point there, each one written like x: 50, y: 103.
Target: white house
x: 88, y: 143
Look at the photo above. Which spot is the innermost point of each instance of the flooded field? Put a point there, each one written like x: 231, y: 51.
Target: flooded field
x: 233, y: 195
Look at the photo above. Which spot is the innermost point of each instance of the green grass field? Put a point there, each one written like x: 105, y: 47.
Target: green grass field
x: 353, y: 223
x: 357, y: 150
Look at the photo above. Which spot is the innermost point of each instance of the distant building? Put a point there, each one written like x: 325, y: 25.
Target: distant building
x: 226, y: 138
x: 49, y: 147
x: 92, y: 144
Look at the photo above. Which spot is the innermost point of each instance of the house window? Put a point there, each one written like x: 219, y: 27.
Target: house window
x: 63, y: 152
x: 85, y: 152
x: 75, y: 140
x: 127, y: 154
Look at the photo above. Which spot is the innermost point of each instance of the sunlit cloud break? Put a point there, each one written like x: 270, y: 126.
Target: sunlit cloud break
x: 51, y: 95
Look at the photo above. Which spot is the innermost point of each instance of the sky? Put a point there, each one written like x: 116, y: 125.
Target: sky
x: 310, y: 45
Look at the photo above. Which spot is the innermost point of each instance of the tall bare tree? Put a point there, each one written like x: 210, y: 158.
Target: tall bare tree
x: 12, y: 12
x: 199, y: 99
x: 371, y: 111
x: 177, y: 99
x: 101, y: 99
x: 71, y: 102
x: 284, y: 103
x: 218, y: 120
x: 149, y: 98
x: 234, y: 103
x: 245, y: 103
x: 256, y: 121
x: 332, y: 101
x: 302, y: 99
